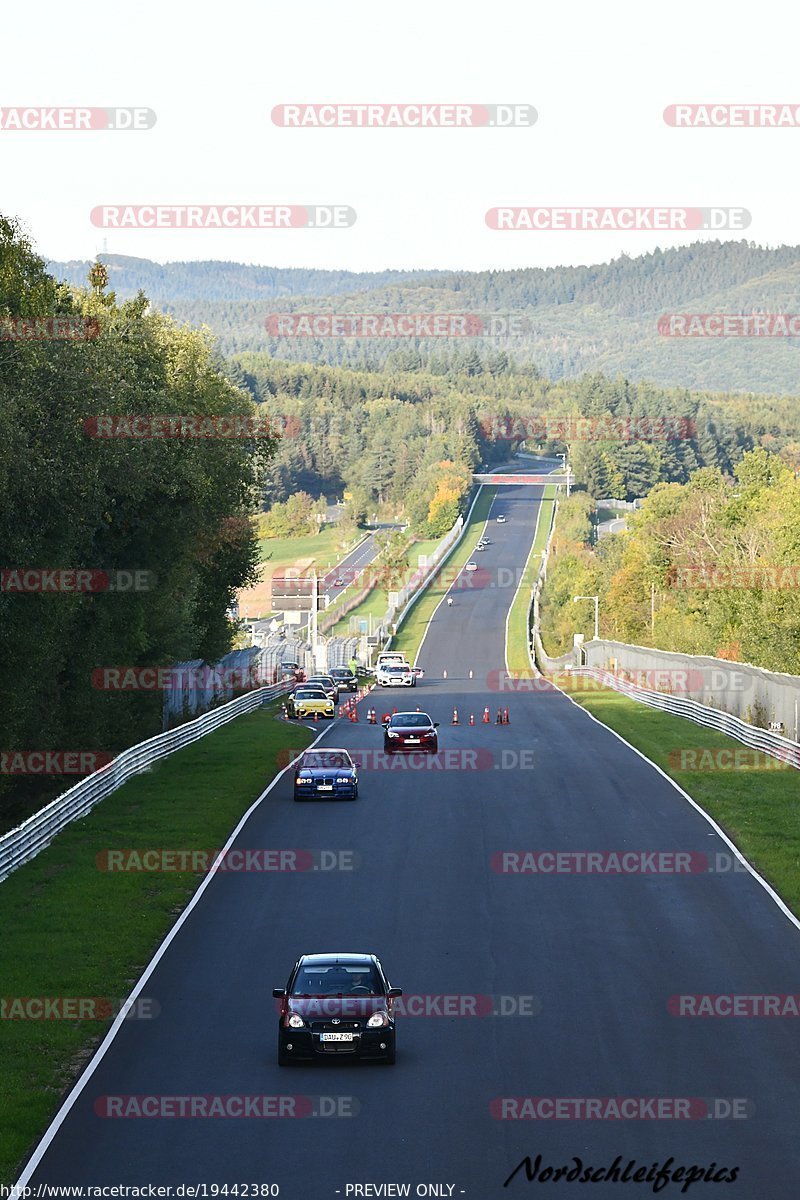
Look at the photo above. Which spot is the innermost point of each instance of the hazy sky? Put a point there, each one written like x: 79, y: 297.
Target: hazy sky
x: 599, y: 76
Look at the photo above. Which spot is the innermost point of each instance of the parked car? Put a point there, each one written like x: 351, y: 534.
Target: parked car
x: 292, y: 670
x: 328, y: 774
x: 336, y: 1004
x: 305, y: 701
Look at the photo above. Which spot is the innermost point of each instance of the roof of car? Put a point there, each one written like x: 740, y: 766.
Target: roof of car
x: 339, y: 958
x: 422, y: 716
x: 327, y: 750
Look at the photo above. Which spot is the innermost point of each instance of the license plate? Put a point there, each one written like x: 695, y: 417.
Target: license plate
x: 337, y: 1037
x: 324, y: 787
x: 409, y: 740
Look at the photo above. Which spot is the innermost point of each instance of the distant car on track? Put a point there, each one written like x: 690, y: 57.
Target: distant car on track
x: 338, y: 582
x: 414, y: 731
x: 395, y: 675
x: 327, y: 684
x: 336, y: 1005
x: 501, y: 520
x: 306, y: 701
x: 344, y: 679
x: 292, y: 670
x: 471, y: 566
x: 328, y: 774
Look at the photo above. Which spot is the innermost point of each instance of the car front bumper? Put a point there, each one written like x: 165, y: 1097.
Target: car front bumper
x: 308, y: 1044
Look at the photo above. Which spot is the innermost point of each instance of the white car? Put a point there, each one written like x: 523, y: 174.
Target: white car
x: 391, y: 658
x: 501, y: 520
x: 471, y: 566
x: 394, y: 675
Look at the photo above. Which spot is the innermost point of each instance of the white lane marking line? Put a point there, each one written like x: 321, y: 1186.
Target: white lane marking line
x: 767, y: 888
x: 93, y: 1064
x: 519, y: 585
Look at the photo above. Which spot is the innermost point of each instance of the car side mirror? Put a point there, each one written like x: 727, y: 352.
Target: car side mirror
x: 279, y: 993
x: 435, y: 724
x: 356, y: 764
x: 393, y: 993
x: 385, y: 724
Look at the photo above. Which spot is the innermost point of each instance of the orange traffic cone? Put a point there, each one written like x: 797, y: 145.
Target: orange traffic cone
x: 472, y: 718
x: 444, y: 673
x: 455, y: 717
x: 354, y: 715
x: 505, y: 717
x: 371, y: 716
x: 486, y: 716
x: 499, y: 718
x: 394, y: 710
x: 385, y: 717
x: 316, y: 717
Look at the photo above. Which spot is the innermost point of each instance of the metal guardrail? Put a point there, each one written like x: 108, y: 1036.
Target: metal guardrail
x: 34, y: 835
x: 712, y: 718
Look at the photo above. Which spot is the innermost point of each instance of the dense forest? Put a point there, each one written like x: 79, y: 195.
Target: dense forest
x: 385, y: 437
x: 176, y: 510
x: 708, y: 567
x: 570, y: 320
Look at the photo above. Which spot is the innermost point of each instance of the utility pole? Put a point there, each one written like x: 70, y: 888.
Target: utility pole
x: 652, y: 607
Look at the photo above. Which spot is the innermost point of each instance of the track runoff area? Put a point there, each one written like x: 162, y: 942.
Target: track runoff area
x: 587, y: 990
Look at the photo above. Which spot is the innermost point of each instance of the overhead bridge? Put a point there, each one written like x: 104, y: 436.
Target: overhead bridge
x: 559, y: 480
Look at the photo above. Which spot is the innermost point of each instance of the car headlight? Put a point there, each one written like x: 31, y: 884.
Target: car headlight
x: 390, y: 734
x: 377, y: 1020
x: 304, y: 779
x: 343, y: 779
x: 294, y: 1021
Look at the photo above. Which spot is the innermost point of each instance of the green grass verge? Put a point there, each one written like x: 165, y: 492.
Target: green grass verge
x: 411, y: 632
x: 324, y: 548
x: 758, y: 805
x: 73, y: 930
x: 517, y: 632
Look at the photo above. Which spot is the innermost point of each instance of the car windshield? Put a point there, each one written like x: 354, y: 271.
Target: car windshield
x: 394, y: 668
x: 326, y: 758
x: 310, y: 694
x: 409, y: 720
x: 321, y: 680
x: 335, y: 978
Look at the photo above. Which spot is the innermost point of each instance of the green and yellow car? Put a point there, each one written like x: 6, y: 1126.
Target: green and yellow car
x: 306, y: 701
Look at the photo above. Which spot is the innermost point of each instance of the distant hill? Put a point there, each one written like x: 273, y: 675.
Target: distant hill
x: 596, y: 318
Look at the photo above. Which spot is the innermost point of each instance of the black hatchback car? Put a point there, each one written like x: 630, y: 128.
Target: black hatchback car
x: 344, y: 679
x: 336, y: 1005
x: 413, y: 731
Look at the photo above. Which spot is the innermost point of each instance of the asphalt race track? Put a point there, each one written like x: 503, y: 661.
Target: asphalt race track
x: 591, y: 959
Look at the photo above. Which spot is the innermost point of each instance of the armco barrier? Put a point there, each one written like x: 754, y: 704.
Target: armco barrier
x: 712, y: 718
x: 27, y: 840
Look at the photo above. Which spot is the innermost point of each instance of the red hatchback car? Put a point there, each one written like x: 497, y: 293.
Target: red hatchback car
x: 412, y: 731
